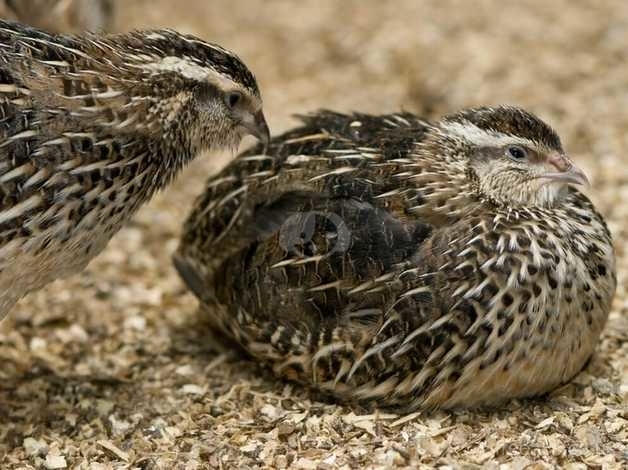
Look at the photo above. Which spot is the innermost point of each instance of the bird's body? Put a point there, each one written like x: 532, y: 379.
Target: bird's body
x: 384, y: 259
x: 91, y: 127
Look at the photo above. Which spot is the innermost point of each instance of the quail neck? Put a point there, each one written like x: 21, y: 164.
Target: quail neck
x: 393, y: 261
x: 92, y: 126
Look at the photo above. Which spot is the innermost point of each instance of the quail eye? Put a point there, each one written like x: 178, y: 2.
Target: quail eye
x: 233, y: 98
x: 517, y: 153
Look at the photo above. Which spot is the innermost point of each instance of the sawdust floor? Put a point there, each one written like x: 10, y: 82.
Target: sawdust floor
x: 113, y: 368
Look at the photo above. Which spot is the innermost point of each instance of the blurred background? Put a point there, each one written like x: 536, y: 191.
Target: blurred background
x: 128, y: 317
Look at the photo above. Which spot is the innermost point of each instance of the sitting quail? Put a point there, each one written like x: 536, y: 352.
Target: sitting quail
x: 408, y: 263
x: 91, y: 127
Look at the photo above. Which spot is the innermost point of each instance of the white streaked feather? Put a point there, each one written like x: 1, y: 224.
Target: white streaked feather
x: 20, y: 208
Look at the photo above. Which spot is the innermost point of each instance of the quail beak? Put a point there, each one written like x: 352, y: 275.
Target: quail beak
x: 566, y: 172
x: 258, y: 128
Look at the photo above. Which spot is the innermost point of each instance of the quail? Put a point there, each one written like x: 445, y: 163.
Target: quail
x: 61, y: 15
x: 391, y: 261
x: 92, y: 126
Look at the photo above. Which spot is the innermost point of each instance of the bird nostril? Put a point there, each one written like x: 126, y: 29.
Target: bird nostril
x: 560, y: 161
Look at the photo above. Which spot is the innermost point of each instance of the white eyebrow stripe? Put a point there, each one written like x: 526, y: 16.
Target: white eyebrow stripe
x: 187, y: 68
x: 191, y: 40
x: 190, y: 69
x: 484, y: 138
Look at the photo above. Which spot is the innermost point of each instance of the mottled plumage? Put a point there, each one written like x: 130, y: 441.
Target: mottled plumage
x: 411, y: 264
x: 92, y: 126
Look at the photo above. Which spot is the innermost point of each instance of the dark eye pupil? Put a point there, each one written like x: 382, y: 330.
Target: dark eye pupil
x: 233, y: 99
x: 516, y: 153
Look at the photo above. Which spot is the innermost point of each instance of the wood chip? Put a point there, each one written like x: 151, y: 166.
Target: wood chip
x: 114, y: 450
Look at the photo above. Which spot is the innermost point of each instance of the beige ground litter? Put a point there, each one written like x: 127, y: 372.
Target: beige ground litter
x: 114, y: 369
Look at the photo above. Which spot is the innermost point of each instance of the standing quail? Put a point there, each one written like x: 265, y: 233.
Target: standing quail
x: 61, y: 15
x: 411, y: 264
x: 91, y: 127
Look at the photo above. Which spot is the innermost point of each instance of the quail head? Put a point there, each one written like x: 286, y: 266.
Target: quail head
x: 390, y: 260
x: 92, y: 126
